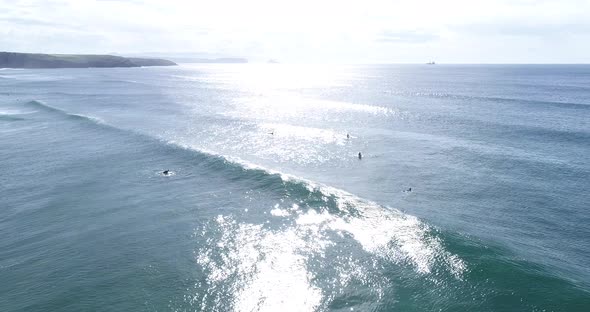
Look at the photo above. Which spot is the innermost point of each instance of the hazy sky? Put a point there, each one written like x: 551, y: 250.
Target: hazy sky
x: 452, y: 31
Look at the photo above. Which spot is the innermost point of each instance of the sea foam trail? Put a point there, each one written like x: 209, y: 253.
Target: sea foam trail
x: 255, y: 265
x: 372, y: 225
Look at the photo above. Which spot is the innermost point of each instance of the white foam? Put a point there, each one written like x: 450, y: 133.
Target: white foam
x: 268, y: 269
x: 16, y: 112
x: 270, y: 266
x: 270, y: 263
x: 279, y: 212
x: 316, y: 135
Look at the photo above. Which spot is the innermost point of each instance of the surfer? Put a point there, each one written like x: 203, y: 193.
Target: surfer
x: 166, y: 172
x: 360, y: 155
x: 409, y: 190
x: 348, y: 136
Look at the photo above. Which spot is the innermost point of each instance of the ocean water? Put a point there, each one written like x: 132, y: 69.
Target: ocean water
x: 268, y: 207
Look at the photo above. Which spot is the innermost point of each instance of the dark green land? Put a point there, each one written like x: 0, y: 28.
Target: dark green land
x: 34, y: 60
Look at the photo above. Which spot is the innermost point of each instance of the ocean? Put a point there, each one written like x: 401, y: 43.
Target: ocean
x: 471, y: 194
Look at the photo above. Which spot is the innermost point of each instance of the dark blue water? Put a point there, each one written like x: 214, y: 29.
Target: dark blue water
x: 267, y: 205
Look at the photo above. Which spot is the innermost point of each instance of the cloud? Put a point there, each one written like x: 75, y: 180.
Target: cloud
x: 388, y: 36
x: 519, y: 28
x: 304, y: 29
x: 26, y: 21
x: 123, y: 1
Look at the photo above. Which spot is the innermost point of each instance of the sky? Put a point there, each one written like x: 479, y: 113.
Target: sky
x: 306, y: 31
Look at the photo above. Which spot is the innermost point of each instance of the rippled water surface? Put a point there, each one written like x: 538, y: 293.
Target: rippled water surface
x: 471, y: 195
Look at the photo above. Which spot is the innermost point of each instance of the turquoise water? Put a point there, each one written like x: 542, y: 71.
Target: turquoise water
x: 268, y: 206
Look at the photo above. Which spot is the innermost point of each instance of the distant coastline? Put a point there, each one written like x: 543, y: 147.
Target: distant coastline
x: 37, y: 60
x: 222, y: 60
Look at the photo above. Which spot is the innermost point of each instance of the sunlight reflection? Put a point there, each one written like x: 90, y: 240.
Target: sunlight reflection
x: 261, y: 78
